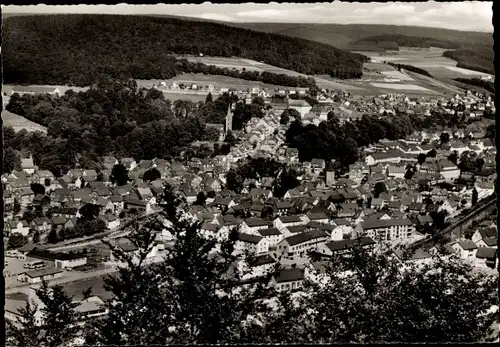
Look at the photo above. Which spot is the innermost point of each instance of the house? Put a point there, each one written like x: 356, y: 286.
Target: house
x: 385, y: 230
x: 449, y: 205
x: 318, y: 165
x: 299, y: 246
x: 260, y: 266
x: 249, y: 242
x: 486, y: 257
x: 40, y: 275
x: 108, y: 162
x: 466, y: 249
x: 28, y: 166
x: 397, y: 171
x: 485, y: 237
x: 270, y: 237
x: 282, y: 207
x: 319, y: 217
x: 289, y: 279
x: 301, y: 106
x: 448, y: 170
x: 112, y: 221
x: 42, y: 225
x: 287, y: 221
x: 344, y: 246
x: 69, y: 260
x: 17, y: 227
x: 253, y: 225
x: 223, y: 203
x: 419, y: 257
x: 33, y: 90
x: 58, y: 222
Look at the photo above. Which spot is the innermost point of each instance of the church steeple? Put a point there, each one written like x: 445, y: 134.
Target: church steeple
x: 229, y: 121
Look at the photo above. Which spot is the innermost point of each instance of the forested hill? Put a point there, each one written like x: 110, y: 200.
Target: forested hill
x: 71, y: 49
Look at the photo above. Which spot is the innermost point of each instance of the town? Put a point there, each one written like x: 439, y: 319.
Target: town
x: 395, y: 194
x: 218, y: 180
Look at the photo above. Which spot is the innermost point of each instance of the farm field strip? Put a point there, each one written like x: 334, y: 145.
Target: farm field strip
x: 398, y: 75
x: 467, y: 72
x: 400, y: 86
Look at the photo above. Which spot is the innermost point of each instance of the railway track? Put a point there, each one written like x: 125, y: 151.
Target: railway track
x: 451, y: 228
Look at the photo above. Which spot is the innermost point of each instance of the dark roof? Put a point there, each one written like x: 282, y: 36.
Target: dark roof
x: 269, y: 232
x: 297, y: 229
x: 248, y: 238
x: 262, y: 260
x: 256, y: 222
x: 43, y: 272
x: 321, y: 226
x: 316, y: 216
x: 288, y: 275
x: 386, y: 223
x: 486, y: 252
x: 467, y: 244
x: 290, y: 219
x: 491, y: 241
x: 304, y: 237
x: 52, y: 256
x: 347, y: 244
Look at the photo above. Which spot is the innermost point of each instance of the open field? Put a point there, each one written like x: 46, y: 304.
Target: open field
x: 204, y: 80
x: 398, y: 75
x: 7, y: 88
x: 400, y: 87
x: 18, y: 122
x: 429, y: 59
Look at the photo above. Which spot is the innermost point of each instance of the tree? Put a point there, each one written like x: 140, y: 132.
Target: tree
x: 36, y: 237
x: 151, y: 175
x: 267, y: 212
x: 468, y: 161
x: 234, y: 181
x: 453, y: 157
x: 17, y: 206
x: 424, y: 301
x: 432, y: 153
x: 475, y: 197
x: 421, y: 158
x: 209, y: 98
x: 89, y: 212
x: 37, y: 188
x: 230, y: 138
x: 188, y: 297
x: 119, y: 175
x: 409, y: 173
x: 211, y: 194
x: 379, y: 188
x: 16, y: 240
x: 200, y: 199
x: 444, y: 138
x: 11, y: 160
x: 285, y: 117
x: 53, y: 237
x: 24, y: 332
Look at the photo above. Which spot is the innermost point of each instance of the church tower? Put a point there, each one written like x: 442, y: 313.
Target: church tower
x: 229, y: 121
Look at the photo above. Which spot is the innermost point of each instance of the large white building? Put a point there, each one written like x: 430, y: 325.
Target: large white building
x: 386, y: 230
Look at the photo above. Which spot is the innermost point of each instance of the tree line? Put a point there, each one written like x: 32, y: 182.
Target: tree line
x: 488, y: 85
x: 341, y: 142
x: 195, y: 296
x: 145, y: 48
x: 410, y: 68
x: 479, y: 58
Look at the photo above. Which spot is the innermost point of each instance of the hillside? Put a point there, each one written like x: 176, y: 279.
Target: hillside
x: 471, y: 50
x: 341, y: 35
x: 75, y: 49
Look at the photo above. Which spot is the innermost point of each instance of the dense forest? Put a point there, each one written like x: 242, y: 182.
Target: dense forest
x: 478, y: 58
x: 410, y: 68
x: 396, y: 41
x: 76, y: 49
x: 112, y: 118
x: 195, y: 296
x: 488, y: 85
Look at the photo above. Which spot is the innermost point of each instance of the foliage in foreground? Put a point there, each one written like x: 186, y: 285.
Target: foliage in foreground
x: 193, y: 297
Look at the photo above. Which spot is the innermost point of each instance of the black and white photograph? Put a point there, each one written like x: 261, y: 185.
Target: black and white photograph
x: 252, y: 173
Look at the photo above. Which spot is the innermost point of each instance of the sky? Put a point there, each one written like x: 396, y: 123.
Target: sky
x: 469, y: 16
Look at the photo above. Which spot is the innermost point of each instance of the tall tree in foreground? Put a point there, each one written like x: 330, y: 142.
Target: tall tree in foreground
x: 54, y: 326
x: 190, y: 297
x: 372, y: 297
